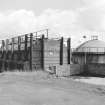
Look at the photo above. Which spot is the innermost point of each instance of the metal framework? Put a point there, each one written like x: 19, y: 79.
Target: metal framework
x: 18, y: 52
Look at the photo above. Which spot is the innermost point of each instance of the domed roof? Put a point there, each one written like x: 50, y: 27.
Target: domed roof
x: 92, y: 46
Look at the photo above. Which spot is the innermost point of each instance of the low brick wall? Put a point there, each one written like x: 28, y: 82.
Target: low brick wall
x: 63, y: 70
x: 75, y: 69
x: 95, y: 69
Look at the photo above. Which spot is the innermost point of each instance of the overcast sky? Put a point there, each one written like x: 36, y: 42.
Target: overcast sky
x: 72, y: 18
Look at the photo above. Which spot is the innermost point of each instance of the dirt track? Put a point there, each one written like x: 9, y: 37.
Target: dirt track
x: 28, y: 90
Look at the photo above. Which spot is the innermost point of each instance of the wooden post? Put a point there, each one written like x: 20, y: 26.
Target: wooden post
x: 31, y: 41
x: 61, y: 51
x: 69, y: 50
x: 42, y: 51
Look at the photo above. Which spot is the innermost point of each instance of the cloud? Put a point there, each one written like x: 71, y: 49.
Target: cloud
x: 16, y: 22
x: 22, y: 21
x: 92, y: 17
x: 84, y: 20
x: 91, y: 3
x: 60, y: 21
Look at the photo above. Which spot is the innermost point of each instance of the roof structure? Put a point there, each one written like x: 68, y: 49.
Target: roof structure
x: 92, y: 46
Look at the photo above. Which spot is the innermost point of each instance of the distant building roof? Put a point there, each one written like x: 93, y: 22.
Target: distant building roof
x: 92, y: 46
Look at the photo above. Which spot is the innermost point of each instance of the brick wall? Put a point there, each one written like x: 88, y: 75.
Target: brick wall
x: 51, y: 53
x: 63, y: 70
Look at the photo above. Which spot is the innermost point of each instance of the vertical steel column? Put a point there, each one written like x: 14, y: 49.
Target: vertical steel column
x: 47, y: 32
x: 12, y: 44
x: 26, y: 52
x: 6, y: 45
x: 7, y: 54
x: 85, y: 54
x: 12, y: 48
x: 42, y: 51
x: 61, y: 51
x: 36, y: 34
x: 19, y: 66
x: 19, y: 45
x: 3, y: 55
x: 31, y: 41
x: 69, y: 50
x: 3, y: 44
x: 3, y: 52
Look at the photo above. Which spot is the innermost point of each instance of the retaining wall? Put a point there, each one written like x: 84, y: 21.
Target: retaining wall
x: 95, y: 69
x: 76, y: 69
x: 66, y: 70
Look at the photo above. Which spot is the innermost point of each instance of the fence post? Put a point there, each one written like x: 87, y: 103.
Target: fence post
x: 61, y: 51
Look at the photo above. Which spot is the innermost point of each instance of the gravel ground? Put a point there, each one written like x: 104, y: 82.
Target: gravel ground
x: 42, y: 89
x: 91, y: 80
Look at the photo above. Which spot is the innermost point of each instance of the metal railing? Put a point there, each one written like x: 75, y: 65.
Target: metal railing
x: 89, y: 50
